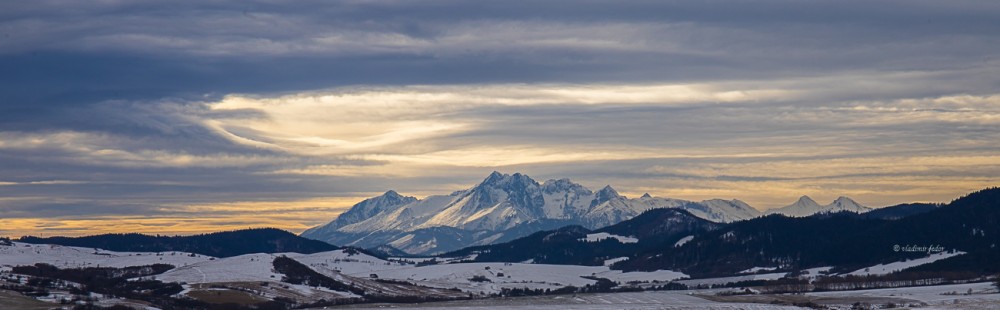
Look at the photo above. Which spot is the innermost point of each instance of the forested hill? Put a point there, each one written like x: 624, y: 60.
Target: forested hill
x: 220, y: 244
x: 653, y: 229
x: 969, y: 224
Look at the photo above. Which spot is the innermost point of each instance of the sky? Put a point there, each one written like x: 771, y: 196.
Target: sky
x: 184, y: 117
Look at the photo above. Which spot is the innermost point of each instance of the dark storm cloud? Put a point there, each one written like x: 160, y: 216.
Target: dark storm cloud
x: 66, y: 52
x: 117, y: 107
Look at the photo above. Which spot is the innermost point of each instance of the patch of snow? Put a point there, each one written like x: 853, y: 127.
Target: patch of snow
x: 514, y: 275
x: 341, y: 261
x: 758, y: 269
x: 601, y: 236
x: 724, y: 280
x: 609, y: 262
x: 881, y: 269
x: 934, y: 296
x: 534, y: 276
x: 683, y: 241
x: 812, y: 273
x: 641, y: 276
x: 22, y: 254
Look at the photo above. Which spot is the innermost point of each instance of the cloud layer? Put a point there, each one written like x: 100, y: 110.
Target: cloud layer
x: 204, y: 115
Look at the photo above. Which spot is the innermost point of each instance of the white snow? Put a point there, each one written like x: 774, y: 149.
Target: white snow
x: 683, y: 241
x: 758, y: 269
x: 724, y: 280
x: 488, y: 207
x: 533, y: 276
x: 666, y: 300
x: 243, y: 268
x: 259, y: 268
x: 882, y: 269
x: 515, y: 275
x: 931, y: 295
x: 806, y: 206
x: 724, y: 211
x: 812, y: 273
x: 650, y: 276
x: 601, y: 236
x: 21, y: 254
x: 609, y: 262
x: 937, y: 297
x: 341, y: 261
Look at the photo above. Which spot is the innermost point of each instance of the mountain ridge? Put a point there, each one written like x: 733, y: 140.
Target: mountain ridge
x: 806, y: 206
x: 217, y: 244
x: 491, y: 210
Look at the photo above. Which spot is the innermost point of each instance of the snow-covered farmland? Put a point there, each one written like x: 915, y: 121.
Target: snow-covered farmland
x: 21, y: 254
x: 929, y: 297
x: 199, y: 269
x: 243, y: 268
x: 956, y: 296
x: 492, y: 277
x: 639, y: 300
x: 883, y: 269
x: 348, y: 263
x: 251, y: 271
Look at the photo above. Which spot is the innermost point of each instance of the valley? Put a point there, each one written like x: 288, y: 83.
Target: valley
x: 660, y: 255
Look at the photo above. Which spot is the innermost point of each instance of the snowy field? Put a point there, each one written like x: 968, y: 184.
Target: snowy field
x: 200, y: 269
x: 197, y: 271
x: 983, y: 295
x: 23, y: 254
x: 931, y: 297
x: 885, y: 269
x: 243, y: 268
x: 514, y: 275
x: 638, y: 300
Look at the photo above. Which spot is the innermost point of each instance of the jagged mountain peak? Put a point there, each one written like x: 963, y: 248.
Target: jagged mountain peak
x: 646, y: 196
x: 607, y: 193
x: 564, y: 185
x: 387, y: 202
x: 560, y: 183
x: 390, y: 197
x: 495, y: 175
x: 501, y: 205
x: 497, y: 179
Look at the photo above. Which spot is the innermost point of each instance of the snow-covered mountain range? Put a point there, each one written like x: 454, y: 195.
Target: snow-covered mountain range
x: 507, y: 206
x: 806, y: 206
x: 501, y: 207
